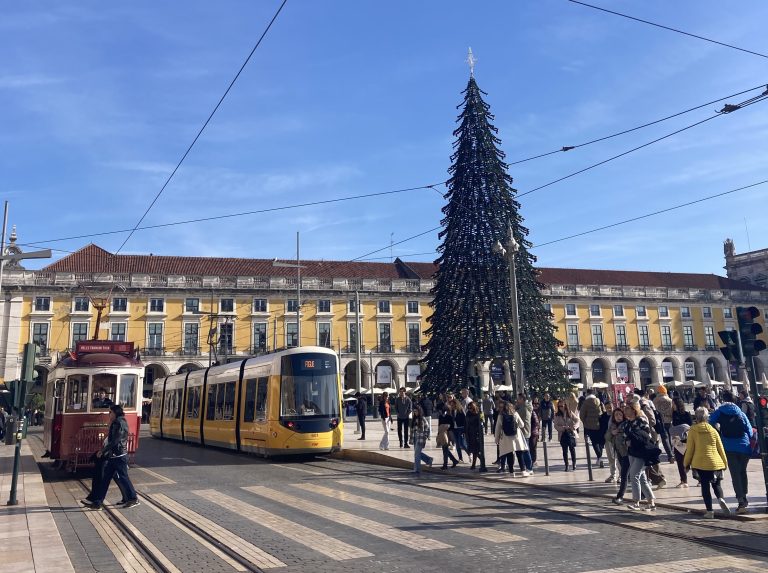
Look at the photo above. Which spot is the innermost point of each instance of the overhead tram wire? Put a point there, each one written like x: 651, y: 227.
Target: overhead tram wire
x: 669, y: 28
x: 728, y: 108
x: 233, y: 215
x: 200, y: 132
x: 38, y: 243
x: 650, y: 123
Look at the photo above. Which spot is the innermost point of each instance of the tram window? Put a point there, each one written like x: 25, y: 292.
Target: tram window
x: 77, y: 393
x: 128, y: 391
x: 261, y: 399
x: 211, y: 404
x: 193, y: 402
x: 229, y: 401
x: 103, y: 391
x: 250, y: 400
x: 220, y: 401
x: 157, y: 400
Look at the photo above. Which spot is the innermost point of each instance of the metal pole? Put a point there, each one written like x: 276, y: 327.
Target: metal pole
x: 518, y: 354
x: 274, y: 335
x: 298, y: 293
x: 2, y: 252
x: 589, y: 457
x: 762, y: 423
x: 358, y: 366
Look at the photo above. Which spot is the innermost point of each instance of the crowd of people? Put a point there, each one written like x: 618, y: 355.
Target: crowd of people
x: 629, y: 438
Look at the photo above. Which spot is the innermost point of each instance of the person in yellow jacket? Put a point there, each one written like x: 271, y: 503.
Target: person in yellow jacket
x: 706, y: 455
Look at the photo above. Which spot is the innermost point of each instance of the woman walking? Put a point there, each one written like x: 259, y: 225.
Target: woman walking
x: 614, y: 436
x: 642, y: 450
x: 510, y: 438
x: 678, y: 433
x: 459, y: 423
x: 475, y: 432
x: 385, y: 414
x: 444, y: 426
x: 420, y: 434
x: 566, y: 424
x: 705, y: 454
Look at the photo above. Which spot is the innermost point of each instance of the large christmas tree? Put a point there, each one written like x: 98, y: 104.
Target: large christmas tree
x: 472, y: 311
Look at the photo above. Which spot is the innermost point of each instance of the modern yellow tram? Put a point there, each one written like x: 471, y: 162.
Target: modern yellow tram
x: 285, y: 403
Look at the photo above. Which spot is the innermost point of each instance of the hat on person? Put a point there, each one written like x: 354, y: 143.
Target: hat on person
x: 662, y: 390
x: 117, y: 409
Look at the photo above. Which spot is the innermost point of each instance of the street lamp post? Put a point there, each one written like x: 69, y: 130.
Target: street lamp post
x: 508, y: 251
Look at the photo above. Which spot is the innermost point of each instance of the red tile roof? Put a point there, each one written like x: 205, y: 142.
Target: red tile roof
x: 92, y: 258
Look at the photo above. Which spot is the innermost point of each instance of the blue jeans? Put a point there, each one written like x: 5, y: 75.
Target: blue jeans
x: 639, y: 480
x: 461, y: 441
x: 418, y: 457
x: 115, y: 468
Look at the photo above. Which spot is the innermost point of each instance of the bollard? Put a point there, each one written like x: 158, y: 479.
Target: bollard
x: 546, y: 458
x: 589, y: 457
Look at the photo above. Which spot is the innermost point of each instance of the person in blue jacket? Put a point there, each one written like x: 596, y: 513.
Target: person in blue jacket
x: 735, y: 431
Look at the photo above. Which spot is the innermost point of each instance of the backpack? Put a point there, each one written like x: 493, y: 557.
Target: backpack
x: 731, y: 426
x: 508, y: 425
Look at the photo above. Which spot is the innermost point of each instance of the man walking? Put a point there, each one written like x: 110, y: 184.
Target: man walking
x: 115, y: 451
x: 488, y: 413
x: 426, y: 408
x: 547, y: 409
x: 403, y: 408
x: 362, y: 409
x: 590, y: 412
x: 748, y: 407
x: 735, y: 431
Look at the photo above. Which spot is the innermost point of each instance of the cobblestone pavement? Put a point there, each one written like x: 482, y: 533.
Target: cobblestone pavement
x: 318, y: 515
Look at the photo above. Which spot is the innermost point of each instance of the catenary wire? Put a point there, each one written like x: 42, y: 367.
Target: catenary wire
x: 630, y: 130
x: 669, y: 28
x: 238, y: 214
x: 200, y: 132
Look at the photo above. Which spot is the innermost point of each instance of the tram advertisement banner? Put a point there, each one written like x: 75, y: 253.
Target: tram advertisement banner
x: 574, y: 372
x: 622, y: 373
x: 621, y: 390
x: 497, y: 372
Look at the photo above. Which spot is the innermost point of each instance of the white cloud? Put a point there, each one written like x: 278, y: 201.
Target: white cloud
x: 27, y: 81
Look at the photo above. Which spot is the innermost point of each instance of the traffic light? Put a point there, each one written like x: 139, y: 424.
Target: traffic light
x: 731, y: 349
x: 749, y: 329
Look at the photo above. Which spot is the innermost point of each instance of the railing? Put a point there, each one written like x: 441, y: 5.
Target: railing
x: 574, y: 347
x: 597, y: 348
x: 644, y: 348
x: 227, y: 350
x: 259, y: 350
x: 413, y: 348
x: 691, y: 347
x: 667, y: 348
x: 622, y: 348
x: 352, y: 349
x: 711, y: 348
x: 190, y: 351
x: 154, y: 351
x: 383, y: 348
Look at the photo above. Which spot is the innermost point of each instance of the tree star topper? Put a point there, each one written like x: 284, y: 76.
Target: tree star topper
x: 471, y: 60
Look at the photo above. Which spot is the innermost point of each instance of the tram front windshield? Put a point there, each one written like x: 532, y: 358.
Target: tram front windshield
x: 309, y: 386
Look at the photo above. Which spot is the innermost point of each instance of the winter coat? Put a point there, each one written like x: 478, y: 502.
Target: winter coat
x: 460, y: 419
x: 663, y: 404
x: 474, y: 432
x: 547, y: 410
x: 617, y: 440
x: 524, y: 412
x: 705, y: 449
x: 116, y: 444
x: 638, y: 436
x: 509, y: 444
x: 590, y: 412
x: 573, y: 402
x: 734, y: 445
x: 444, y: 425
x: 403, y: 407
x: 419, y: 431
x: 677, y: 433
x: 426, y: 406
x: 748, y: 407
x: 562, y: 423
x: 681, y: 418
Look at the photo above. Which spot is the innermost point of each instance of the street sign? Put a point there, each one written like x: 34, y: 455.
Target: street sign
x: 44, y: 254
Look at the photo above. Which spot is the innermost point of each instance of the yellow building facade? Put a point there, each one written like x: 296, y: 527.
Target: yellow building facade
x: 187, y: 312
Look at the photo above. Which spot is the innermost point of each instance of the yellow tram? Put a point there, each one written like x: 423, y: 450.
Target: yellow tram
x: 284, y: 403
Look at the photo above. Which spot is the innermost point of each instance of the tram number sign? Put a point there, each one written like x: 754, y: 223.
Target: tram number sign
x: 309, y: 364
x: 104, y: 346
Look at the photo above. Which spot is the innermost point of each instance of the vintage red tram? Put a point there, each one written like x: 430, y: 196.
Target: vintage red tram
x: 79, y: 392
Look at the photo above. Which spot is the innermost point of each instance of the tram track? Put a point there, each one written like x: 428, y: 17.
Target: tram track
x: 553, y: 501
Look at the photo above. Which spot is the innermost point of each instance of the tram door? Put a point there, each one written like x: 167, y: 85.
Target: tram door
x: 52, y: 419
x: 255, y: 426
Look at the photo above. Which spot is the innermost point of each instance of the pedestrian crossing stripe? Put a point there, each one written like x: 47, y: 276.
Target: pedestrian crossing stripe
x: 257, y: 556
x: 368, y: 526
x: 312, y: 538
x: 485, y: 533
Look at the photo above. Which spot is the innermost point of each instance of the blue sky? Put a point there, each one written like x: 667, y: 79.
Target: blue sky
x: 99, y: 100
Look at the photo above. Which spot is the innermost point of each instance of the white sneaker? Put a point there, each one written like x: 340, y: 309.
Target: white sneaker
x: 724, y: 506
x: 610, y: 479
x: 709, y: 515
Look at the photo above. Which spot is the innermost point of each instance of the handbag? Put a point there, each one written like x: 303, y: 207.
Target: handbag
x: 568, y: 439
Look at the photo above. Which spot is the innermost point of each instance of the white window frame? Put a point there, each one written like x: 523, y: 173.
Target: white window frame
x: 42, y: 311
x: 727, y: 312
x: 599, y: 311
x: 47, y: 323
x: 266, y: 334
x: 287, y: 334
x: 162, y: 335
x: 127, y: 305
x: 330, y: 306
x: 232, y: 345
x: 685, y: 312
x: 706, y: 312
x: 391, y: 335
x: 221, y: 304
x: 74, y: 305
x: 387, y: 312
x: 266, y: 305
x: 149, y: 305
x: 288, y: 306
x: 619, y: 314
x: 193, y: 312
x: 640, y: 335
x: 184, y: 336
x: 644, y: 311
x: 330, y: 333
x: 72, y: 331
x: 408, y: 326
x: 575, y: 310
x: 666, y: 311
x: 114, y: 323
x: 408, y: 309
